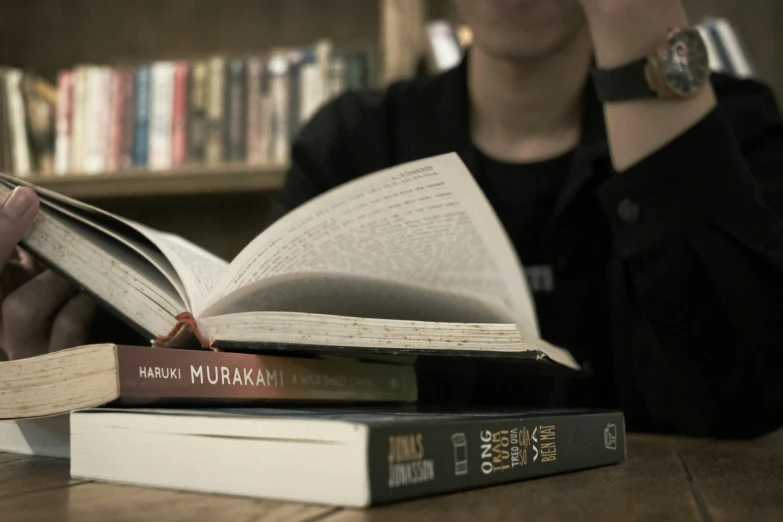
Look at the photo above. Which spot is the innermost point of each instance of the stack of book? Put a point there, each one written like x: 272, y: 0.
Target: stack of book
x: 166, y: 114
x: 292, y: 371
x: 27, y: 107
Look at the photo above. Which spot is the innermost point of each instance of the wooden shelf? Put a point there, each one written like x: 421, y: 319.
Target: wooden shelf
x: 217, y: 179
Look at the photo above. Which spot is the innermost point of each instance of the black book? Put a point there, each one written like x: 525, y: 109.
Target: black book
x: 347, y: 457
x: 235, y: 119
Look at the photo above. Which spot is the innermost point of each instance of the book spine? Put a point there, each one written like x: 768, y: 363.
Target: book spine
x: 141, y: 115
x: 114, y: 139
x: 162, y: 97
x: 40, y: 115
x: 179, y: 114
x: 156, y: 375
x: 197, y: 111
x: 294, y: 96
x: 338, y: 75
x: 96, y: 121
x: 267, y: 118
x: 214, y: 153
x: 236, y: 110
x: 310, y: 82
x: 128, y: 117
x: 76, y: 155
x: 255, y: 66
x: 410, y: 461
x: 63, y: 125
x: 21, y: 148
x: 5, y: 139
x: 279, y: 92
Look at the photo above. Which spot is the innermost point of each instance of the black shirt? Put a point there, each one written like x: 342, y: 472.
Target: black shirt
x: 523, y: 196
x: 669, y: 275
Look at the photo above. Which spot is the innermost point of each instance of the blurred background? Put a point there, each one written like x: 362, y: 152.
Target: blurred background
x: 179, y: 113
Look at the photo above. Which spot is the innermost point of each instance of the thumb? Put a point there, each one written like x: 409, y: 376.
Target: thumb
x: 16, y: 214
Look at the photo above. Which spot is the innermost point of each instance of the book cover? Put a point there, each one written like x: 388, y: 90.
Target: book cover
x: 431, y: 454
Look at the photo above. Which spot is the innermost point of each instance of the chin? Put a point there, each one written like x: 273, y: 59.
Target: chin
x: 522, y: 29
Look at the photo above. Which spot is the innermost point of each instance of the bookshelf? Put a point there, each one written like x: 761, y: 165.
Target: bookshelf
x: 220, y: 206
x: 74, y: 33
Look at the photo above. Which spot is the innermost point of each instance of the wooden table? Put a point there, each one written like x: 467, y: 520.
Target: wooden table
x: 664, y: 478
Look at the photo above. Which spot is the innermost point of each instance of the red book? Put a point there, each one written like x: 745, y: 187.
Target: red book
x: 62, y: 157
x: 95, y: 375
x: 179, y: 114
x: 116, y: 106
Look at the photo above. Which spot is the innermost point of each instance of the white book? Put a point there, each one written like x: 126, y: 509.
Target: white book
x: 161, y: 115
x: 63, y: 122
x: 343, y: 456
x: 279, y: 80
x: 78, y: 120
x: 96, y: 120
x: 42, y: 436
x: 715, y: 62
x: 17, y: 123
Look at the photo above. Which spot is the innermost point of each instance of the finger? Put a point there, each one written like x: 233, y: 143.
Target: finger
x: 72, y: 323
x: 26, y: 311
x: 16, y: 214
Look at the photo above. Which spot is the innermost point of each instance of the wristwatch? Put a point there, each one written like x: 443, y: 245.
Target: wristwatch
x: 678, y: 69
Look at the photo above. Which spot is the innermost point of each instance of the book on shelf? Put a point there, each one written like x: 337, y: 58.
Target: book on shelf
x: 352, y: 456
x: 204, y: 110
x: 27, y: 123
x: 410, y: 260
x: 725, y: 49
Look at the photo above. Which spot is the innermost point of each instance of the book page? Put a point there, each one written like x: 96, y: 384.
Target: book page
x: 426, y: 222
x: 355, y: 295
x: 198, y: 269
x: 135, y: 243
x: 116, y: 275
x: 191, y: 269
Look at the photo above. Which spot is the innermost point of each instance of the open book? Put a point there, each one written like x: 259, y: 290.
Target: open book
x: 411, y: 259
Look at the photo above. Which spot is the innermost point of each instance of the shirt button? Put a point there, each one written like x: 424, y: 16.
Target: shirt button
x: 628, y: 211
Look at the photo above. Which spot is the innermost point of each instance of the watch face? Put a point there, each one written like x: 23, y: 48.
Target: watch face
x: 685, y: 62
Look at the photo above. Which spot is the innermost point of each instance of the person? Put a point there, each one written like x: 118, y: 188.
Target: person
x: 41, y: 311
x: 652, y: 224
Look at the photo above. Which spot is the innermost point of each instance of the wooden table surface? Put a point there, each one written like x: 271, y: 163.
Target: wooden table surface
x: 664, y: 478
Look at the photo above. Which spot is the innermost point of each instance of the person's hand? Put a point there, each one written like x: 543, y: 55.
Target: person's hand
x: 41, y: 311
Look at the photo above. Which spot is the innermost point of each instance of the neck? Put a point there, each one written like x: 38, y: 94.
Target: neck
x: 526, y: 110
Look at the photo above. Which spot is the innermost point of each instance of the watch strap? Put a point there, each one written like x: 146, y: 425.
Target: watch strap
x: 624, y: 83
